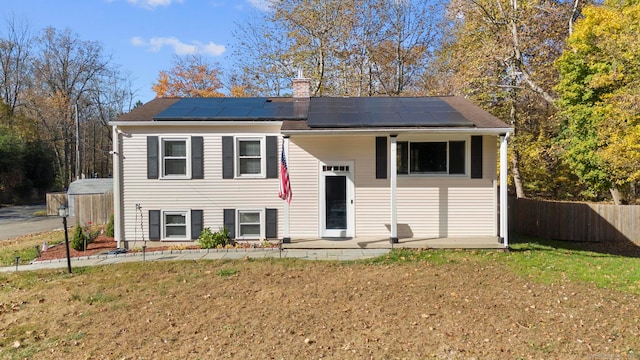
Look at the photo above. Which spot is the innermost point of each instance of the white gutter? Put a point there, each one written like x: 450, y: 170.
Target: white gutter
x: 205, y: 123
x: 117, y: 201
x: 504, y: 200
x: 393, y: 183
x: 364, y: 131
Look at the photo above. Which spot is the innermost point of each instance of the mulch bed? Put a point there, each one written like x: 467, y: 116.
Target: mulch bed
x: 102, y: 244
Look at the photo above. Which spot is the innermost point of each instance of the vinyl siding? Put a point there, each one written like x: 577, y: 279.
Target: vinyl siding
x: 428, y: 206
x: 211, y: 194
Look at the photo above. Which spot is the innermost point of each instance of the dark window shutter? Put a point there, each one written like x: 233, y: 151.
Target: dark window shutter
x: 381, y: 157
x: 152, y: 157
x: 227, y: 157
x: 154, y: 225
x: 197, y: 155
x: 272, y: 224
x: 196, y: 224
x: 476, y: 157
x: 456, y: 157
x: 272, y: 157
x: 230, y: 222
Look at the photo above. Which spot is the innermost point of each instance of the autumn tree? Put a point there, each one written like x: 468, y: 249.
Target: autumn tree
x: 500, y: 53
x: 347, y: 47
x: 190, y: 76
x: 600, y: 97
x: 15, y: 51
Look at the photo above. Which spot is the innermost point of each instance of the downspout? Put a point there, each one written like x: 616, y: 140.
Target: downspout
x: 394, y: 181
x: 286, y: 236
x: 504, y: 200
x: 117, y: 201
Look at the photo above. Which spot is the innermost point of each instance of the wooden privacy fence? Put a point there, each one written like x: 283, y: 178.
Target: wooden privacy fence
x: 94, y: 208
x: 575, y: 221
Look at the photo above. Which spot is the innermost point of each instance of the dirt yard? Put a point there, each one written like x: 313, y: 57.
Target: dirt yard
x: 273, y: 309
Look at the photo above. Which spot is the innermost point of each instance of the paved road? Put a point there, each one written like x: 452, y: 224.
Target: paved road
x: 19, y: 220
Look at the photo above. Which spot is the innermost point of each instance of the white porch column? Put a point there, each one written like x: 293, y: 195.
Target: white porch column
x: 286, y: 236
x: 504, y: 200
x: 394, y: 181
x: 117, y: 205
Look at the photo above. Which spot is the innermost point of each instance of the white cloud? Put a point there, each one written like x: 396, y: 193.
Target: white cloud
x: 262, y: 5
x: 152, y: 4
x: 155, y: 44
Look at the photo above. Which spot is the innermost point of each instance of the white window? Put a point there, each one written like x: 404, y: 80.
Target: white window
x: 175, y: 225
x: 175, y: 155
x: 250, y: 224
x: 432, y: 157
x: 250, y: 157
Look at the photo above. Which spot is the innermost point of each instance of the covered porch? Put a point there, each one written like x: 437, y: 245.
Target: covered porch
x: 481, y: 242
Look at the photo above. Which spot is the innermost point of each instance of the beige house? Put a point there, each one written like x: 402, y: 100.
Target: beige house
x: 398, y: 169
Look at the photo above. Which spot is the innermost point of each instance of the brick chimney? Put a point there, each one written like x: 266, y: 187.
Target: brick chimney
x: 301, y: 86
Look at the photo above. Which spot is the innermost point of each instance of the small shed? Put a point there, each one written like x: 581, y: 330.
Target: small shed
x: 91, y: 200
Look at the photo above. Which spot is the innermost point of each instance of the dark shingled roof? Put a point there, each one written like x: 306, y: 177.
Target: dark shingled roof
x: 421, y: 112
x: 147, y: 111
x: 323, y: 113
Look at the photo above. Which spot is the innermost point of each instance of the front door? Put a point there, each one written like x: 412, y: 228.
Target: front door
x: 336, y: 200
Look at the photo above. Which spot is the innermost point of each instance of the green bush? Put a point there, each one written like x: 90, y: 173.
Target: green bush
x: 110, y: 231
x: 82, y: 237
x: 209, y: 239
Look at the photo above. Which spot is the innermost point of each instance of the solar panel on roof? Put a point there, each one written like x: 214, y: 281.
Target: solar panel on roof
x: 383, y: 112
x: 232, y: 109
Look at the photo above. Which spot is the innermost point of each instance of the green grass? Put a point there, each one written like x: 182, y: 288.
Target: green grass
x: 25, y: 247
x: 539, y: 260
x: 227, y: 272
x: 548, y: 261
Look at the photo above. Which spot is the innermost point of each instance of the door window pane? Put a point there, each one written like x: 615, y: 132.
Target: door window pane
x: 336, y: 202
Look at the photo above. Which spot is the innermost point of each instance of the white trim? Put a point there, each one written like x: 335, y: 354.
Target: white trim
x: 504, y: 204
x: 350, y: 198
x: 213, y: 123
x: 399, y: 131
x: 394, y: 186
x: 117, y: 199
x: 163, y: 224
x: 286, y: 231
x: 263, y: 156
x: 262, y: 220
x: 187, y: 144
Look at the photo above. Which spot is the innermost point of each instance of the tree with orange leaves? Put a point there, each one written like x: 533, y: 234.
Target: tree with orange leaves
x: 190, y: 76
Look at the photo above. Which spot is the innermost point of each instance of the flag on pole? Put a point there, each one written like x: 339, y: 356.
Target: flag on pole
x: 285, y: 185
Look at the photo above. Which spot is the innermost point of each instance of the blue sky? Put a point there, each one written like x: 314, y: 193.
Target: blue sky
x: 141, y: 35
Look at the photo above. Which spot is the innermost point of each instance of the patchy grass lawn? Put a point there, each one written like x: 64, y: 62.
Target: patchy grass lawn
x: 25, y: 246
x: 539, y: 301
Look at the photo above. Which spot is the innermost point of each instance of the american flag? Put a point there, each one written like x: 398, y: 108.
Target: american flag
x: 285, y: 185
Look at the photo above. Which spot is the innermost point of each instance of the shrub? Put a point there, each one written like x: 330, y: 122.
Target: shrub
x: 110, y: 230
x: 209, y: 239
x: 78, y: 239
x: 82, y: 236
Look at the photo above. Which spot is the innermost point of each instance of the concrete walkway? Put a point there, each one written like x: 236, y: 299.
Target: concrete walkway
x: 212, y: 254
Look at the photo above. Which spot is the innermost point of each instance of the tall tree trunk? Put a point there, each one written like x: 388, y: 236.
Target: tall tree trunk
x: 515, y: 168
x: 617, y: 197
x: 515, y: 159
x: 517, y: 53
